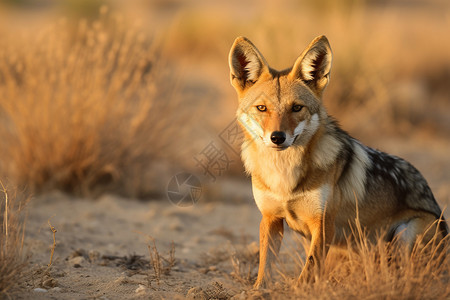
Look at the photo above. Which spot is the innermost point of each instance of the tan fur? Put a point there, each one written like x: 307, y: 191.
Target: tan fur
x: 317, y: 178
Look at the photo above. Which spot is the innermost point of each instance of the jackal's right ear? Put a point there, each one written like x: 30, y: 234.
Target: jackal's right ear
x: 246, y: 64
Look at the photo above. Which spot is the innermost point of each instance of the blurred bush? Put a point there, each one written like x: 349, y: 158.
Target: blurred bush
x: 85, y: 108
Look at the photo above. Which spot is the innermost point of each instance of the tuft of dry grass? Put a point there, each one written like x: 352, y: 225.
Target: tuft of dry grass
x: 46, y: 277
x: 160, y: 264
x: 84, y: 107
x: 12, y: 260
x: 244, y: 261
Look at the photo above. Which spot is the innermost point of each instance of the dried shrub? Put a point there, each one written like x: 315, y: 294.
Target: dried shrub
x: 12, y: 260
x: 85, y: 107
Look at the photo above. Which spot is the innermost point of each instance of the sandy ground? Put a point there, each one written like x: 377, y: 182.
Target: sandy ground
x: 102, y: 245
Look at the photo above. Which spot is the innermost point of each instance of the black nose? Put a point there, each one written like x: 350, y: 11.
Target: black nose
x: 278, y: 137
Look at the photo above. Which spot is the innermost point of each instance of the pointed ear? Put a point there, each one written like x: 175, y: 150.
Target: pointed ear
x: 314, y: 64
x: 246, y: 64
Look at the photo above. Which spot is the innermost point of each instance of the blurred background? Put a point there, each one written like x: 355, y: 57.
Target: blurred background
x: 119, y: 96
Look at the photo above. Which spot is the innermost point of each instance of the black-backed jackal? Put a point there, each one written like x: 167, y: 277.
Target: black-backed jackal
x: 306, y: 170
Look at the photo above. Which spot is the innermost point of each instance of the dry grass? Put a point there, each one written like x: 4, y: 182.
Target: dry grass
x: 12, y: 260
x: 374, y: 272
x: 47, y: 279
x: 360, y: 271
x: 244, y: 259
x: 84, y: 107
x: 160, y: 264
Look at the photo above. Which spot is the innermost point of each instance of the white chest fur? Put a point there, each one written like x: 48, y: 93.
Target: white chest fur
x: 280, y: 170
x: 300, y: 203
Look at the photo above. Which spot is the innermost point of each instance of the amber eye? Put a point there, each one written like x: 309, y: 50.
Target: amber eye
x: 261, y: 107
x: 297, y: 108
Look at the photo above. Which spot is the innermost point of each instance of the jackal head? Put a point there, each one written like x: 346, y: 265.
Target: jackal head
x: 280, y: 108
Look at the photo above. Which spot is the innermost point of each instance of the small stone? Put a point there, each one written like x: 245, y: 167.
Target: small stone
x: 212, y: 268
x: 176, y: 269
x: 77, y: 253
x: 56, y: 289
x: 50, y: 283
x: 215, y: 290
x: 77, y: 262
x: 121, y: 280
x: 141, y: 289
x: 40, y: 290
x: 94, y: 255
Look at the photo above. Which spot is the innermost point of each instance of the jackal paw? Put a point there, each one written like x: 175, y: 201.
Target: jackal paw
x: 259, y: 284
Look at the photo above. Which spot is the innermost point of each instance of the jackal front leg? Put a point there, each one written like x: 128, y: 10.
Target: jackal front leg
x: 322, y: 234
x: 270, y: 237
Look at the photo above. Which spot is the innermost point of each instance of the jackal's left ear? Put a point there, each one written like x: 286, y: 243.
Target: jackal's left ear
x: 246, y: 64
x: 314, y: 64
